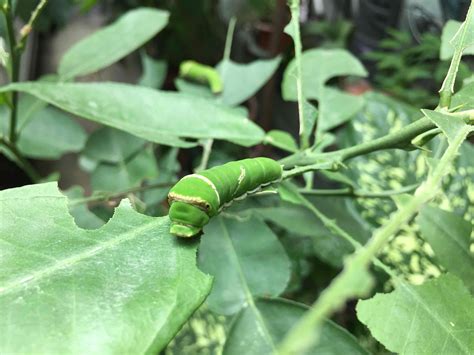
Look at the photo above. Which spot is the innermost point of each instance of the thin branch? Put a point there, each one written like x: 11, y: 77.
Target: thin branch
x: 295, y: 15
x: 14, y: 66
x: 21, y: 161
x: 26, y: 29
x: 103, y: 196
x: 229, y: 37
x: 206, y: 153
x: 349, y: 192
x: 302, y: 335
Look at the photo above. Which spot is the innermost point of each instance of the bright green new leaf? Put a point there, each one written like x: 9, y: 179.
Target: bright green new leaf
x: 434, y: 318
x: 246, y: 260
x: 127, y: 287
x: 112, y: 43
x: 50, y: 134
x: 242, y: 81
x: 158, y: 116
x: 260, y: 327
x: 449, y: 235
x: 282, y: 140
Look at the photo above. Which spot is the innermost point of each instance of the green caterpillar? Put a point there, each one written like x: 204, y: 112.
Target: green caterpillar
x: 201, y: 72
x: 198, y: 197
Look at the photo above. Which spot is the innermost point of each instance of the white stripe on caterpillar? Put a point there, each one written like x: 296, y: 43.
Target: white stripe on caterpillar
x: 207, y: 181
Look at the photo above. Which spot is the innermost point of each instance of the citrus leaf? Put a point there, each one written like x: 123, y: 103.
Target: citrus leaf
x: 449, y: 236
x: 242, y: 81
x: 124, y: 288
x: 258, y: 329
x: 247, y: 261
x: 157, y: 116
x: 112, y: 43
x: 434, y: 318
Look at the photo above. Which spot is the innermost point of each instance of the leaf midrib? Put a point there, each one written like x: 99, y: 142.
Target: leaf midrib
x: 248, y: 294
x: 38, y: 275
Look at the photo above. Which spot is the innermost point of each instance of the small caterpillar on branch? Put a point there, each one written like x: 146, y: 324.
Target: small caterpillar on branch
x: 198, y: 197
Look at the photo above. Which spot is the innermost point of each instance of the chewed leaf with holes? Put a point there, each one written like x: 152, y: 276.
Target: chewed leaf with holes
x: 124, y: 288
x: 434, y: 318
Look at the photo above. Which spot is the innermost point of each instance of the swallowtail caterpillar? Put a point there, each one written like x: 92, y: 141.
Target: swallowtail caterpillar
x: 198, y: 197
x: 203, y: 73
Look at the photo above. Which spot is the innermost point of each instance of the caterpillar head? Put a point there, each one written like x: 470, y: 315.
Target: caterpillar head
x: 186, y: 220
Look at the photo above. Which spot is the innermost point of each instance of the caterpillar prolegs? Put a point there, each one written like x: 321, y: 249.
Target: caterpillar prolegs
x: 198, y: 197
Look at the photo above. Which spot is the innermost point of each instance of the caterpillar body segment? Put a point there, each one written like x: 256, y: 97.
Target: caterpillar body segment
x: 198, y: 197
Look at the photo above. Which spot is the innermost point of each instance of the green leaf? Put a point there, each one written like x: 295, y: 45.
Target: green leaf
x: 434, y: 318
x: 127, y: 287
x: 157, y: 116
x: 50, y: 134
x: 83, y: 217
x: 112, y: 43
x: 337, y: 107
x: 153, y: 72
x: 449, y: 236
x: 464, y: 98
x: 327, y: 245
x: 125, y: 174
x: 242, y: 81
x: 193, y: 89
x: 449, y: 124
x: 111, y: 145
x: 246, y: 260
x: 282, y: 140
x: 259, y: 328
x: 319, y: 65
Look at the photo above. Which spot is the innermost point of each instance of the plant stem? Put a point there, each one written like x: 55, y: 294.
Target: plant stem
x: 302, y: 334
x: 111, y: 196
x: 21, y: 161
x: 206, y: 152
x: 26, y: 29
x: 295, y: 16
x: 228, y: 38
x: 349, y: 192
x: 399, y: 139
x: 14, y: 67
x: 447, y: 89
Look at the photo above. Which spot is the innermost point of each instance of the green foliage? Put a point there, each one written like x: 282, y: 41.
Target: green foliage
x: 115, y: 41
x: 412, y: 72
x: 92, y: 287
x: 430, y: 318
x: 117, y: 105
x: 380, y: 221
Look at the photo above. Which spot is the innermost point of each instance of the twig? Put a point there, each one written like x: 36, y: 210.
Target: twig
x: 100, y: 197
x: 26, y: 29
x: 349, y: 192
x: 21, y: 161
